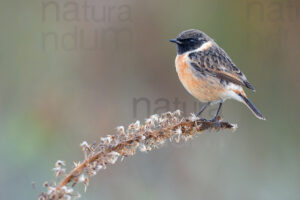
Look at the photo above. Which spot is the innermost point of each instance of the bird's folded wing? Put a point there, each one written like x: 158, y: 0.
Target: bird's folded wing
x: 215, y: 62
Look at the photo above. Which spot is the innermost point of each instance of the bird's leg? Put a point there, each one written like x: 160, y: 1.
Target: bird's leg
x: 202, y: 109
x: 216, y: 115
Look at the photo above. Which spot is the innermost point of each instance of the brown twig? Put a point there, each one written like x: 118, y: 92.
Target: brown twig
x: 156, y: 131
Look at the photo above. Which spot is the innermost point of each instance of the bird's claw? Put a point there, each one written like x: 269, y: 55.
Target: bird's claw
x: 215, y: 119
x: 203, y: 119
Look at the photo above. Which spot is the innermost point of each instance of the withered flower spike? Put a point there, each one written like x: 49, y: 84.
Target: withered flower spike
x: 157, y: 130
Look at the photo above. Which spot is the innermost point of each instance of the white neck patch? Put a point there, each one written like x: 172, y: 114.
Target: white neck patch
x: 205, y: 46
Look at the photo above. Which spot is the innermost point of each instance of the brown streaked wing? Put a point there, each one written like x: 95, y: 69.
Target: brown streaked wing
x: 216, y: 62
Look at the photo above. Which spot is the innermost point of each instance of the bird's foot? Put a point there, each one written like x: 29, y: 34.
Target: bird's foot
x: 203, y: 119
x: 216, y: 121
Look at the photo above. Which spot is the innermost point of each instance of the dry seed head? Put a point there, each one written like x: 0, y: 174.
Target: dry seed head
x: 67, y: 190
x: 142, y: 148
x: 60, y: 163
x: 86, y: 183
x: 81, y: 178
x: 121, y: 130
x: 112, y: 157
x: 193, y: 117
x: 76, y: 164
x: 137, y: 125
x: 178, y: 131
x: 167, y: 115
x: 84, y: 145
x: 51, y: 190
x: 58, y: 169
x: 106, y: 140
x: 234, y: 127
x: 155, y: 132
x: 99, y: 167
x: 155, y: 118
x: 41, y: 197
x: 46, y: 184
x: 177, y: 113
x: 130, y: 128
x: 92, y: 172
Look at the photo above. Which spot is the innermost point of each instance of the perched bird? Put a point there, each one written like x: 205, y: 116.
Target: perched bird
x: 208, y: 73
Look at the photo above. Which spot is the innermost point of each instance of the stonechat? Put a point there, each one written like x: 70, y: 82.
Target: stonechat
x: 208, y: 73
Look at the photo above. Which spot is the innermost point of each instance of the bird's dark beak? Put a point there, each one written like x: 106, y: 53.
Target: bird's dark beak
x: 175, y: 41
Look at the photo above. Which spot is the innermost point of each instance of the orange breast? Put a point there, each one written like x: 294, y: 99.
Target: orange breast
x: 204, y: 88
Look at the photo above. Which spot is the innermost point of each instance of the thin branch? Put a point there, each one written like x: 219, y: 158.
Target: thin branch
x: 156, y: 131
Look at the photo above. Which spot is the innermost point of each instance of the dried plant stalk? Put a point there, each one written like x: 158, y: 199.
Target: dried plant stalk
x: 156, y: 130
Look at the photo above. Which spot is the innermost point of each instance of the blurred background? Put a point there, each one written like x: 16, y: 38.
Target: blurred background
x: 73, y: 70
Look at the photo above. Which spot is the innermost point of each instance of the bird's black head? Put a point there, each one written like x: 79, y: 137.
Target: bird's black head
x: 190, y: 40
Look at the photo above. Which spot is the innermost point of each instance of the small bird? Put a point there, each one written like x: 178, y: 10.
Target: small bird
x: 208, y: 73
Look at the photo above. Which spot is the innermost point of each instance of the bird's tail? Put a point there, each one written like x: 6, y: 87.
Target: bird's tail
x: 252, y: 107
